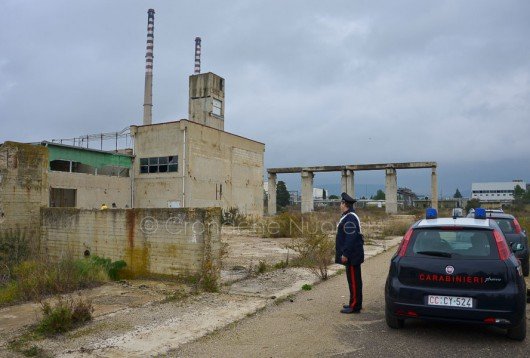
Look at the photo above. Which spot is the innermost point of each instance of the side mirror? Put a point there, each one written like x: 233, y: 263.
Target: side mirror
x: 516, y: 246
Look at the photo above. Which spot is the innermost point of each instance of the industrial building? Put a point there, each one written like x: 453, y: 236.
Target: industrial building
x: 186, y: 163
x: 496, y: 192
x: 167, y: 178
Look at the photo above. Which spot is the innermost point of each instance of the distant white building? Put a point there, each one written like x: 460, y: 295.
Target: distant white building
x: 502, y: 191
x: 294, y: 197
x: 319, y: 193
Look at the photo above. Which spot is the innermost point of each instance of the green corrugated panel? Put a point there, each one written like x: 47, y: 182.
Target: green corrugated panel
x: 95, y: 159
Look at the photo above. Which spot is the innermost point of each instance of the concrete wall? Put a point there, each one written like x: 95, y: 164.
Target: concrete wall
x: 151, y: 241
x: 23, y: 188
x: 221, y: 169
x: 157, y: 190
x: 218, y: 158
x: 94, y: 190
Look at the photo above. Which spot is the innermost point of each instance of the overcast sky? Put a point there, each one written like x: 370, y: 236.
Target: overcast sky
x: 319, y: 82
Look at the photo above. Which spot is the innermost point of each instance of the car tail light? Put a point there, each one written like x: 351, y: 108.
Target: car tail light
x: 408, y: 313
x: 404, y: 243
x: 491, y: 320
x: 502, y: 246
x: 518, y: 229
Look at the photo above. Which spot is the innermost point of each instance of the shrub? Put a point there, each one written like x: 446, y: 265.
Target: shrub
x: 262, y: 267
x: 315, y: 249
x: 14, y: 248
x: 33, y: 279
x: 112, y: 268
x: 282, y: 264
x: 307, y: 287
x: 56, y: 319
x: 9, y: 293
x: 395, y: 228
x: 65, y: 314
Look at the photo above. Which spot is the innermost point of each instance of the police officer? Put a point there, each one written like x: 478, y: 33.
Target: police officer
x: 350, y: 252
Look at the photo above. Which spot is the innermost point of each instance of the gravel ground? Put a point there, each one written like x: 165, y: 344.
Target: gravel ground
x: 135, y: 320
x: 311, y: 325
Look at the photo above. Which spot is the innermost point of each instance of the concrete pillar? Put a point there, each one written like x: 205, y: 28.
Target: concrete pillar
x: 391, y: 191
x: 307, y: 192
x: 351, y: 181
x: 344, y: 182
x: 434, y: 189
x: 271, y: 208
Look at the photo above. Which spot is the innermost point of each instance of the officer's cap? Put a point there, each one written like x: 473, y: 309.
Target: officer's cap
x: 346, y: 198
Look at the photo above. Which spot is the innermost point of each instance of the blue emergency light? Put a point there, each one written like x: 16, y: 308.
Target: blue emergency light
x: 480, y: 213
x: 431, y: 213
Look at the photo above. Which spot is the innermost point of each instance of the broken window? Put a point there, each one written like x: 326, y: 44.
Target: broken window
x: 167, y: 164
x: 60, y: 165
x: 217, y: 107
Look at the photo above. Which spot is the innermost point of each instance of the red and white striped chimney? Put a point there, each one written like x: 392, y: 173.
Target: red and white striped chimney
x: 197, y: 55
x: 148, y: 90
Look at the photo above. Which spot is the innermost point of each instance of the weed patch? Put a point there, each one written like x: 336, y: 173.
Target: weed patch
x: 64, y: 315
x: 262, y: 267
x: 396, y: 228
x: 33, y: 279
x: 315, y: 249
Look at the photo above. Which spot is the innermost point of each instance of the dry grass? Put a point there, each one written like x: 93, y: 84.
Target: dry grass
x: 31, y: 280
x: 65, y: 314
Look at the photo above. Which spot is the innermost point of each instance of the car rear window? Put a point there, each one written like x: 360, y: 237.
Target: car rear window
x: 507, y: 226
x: 453, y: 243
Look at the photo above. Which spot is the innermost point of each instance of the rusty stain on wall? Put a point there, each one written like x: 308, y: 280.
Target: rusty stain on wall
x: 147, y: 252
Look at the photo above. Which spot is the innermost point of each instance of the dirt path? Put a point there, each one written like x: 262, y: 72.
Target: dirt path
x: 313, y: 326
x: 140, y: 319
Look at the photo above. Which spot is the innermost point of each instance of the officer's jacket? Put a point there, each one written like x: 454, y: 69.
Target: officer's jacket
x: 349, y: 241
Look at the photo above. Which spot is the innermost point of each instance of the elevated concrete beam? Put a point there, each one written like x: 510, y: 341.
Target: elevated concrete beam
x: 307, y: 192
x: 391, y: 191
x: 338, y: 168
x: 271, y: 207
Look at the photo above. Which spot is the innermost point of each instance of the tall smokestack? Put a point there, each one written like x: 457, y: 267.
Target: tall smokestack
x: 197, y: 55
x: 148, y: 90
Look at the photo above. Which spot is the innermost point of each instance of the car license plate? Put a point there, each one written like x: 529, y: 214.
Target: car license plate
x: 450, y: 301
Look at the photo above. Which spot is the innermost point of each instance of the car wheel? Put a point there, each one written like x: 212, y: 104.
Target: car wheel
x: 518, y: 332
x: 392, y: 321
x: 525, y: 267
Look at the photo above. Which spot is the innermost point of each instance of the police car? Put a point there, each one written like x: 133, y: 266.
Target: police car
x: 513, y: 232
x: 457, y: 270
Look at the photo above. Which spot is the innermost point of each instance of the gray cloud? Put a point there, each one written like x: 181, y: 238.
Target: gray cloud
x: 318, y: 82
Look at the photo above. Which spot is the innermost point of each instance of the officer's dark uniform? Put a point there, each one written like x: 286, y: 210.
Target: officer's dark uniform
x: 349, y: 243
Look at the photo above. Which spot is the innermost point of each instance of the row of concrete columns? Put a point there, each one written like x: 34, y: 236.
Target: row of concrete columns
x: 348, y: 187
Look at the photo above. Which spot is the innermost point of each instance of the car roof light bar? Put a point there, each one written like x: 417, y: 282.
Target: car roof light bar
x: 431, y: 213
x: 480, y: 213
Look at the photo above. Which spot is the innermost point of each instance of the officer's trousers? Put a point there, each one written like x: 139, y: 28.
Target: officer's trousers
x: 355, y: 285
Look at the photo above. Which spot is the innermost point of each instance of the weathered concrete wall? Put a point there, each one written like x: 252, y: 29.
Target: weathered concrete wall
x: 203, y: 89
x: 225, y: 170
x: 157, y: 190
x: 151, y: 241
x: 219, y: 169
x: 23, y: 188
x: 94, y: 190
